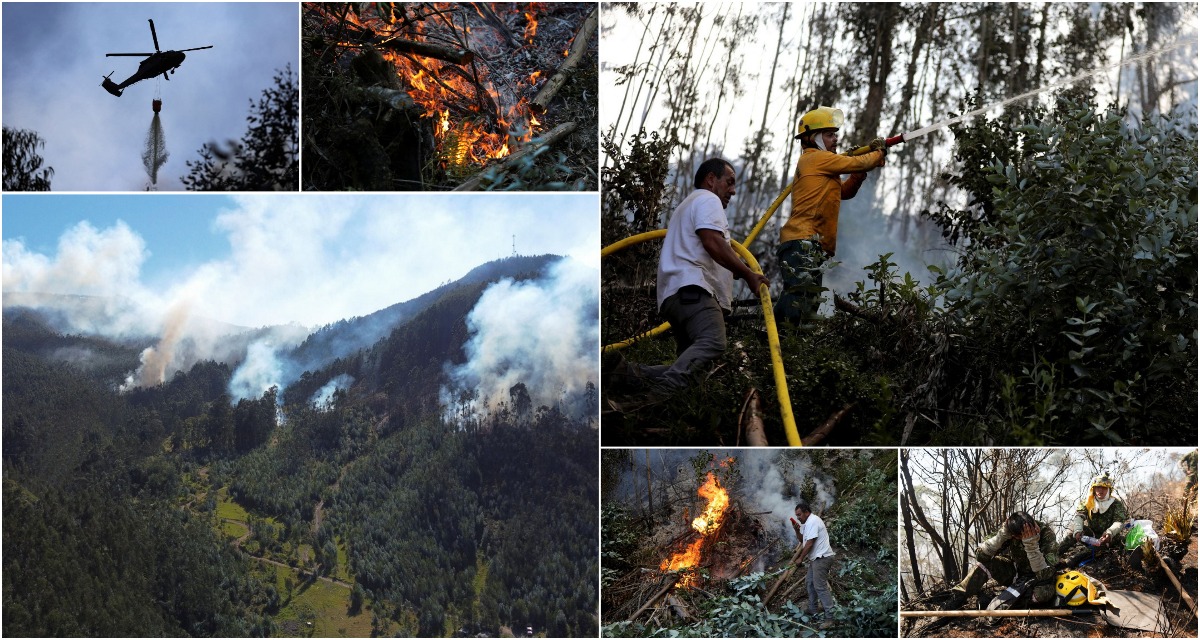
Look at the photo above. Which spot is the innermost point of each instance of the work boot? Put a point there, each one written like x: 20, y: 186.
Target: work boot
x: 956, y: 601
x: 635, y: 402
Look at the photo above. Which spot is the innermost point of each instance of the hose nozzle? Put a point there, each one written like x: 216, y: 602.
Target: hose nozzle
x: 890, y: 142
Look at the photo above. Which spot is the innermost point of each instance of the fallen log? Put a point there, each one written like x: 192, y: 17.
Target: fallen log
x: 578, y: 48
x: 1175, y: 581
x: 555, y: 134
x: 985, y: 613
x: 429, y: 50
x: 785, y: 576
x: 671, y: 579
x: 751, y: 419
x: 678, y: 607
x: 826, y: 428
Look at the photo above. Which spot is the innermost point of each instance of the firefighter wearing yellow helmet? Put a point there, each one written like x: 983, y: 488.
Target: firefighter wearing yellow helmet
x: 1100, y: 516
x: 809, y: 237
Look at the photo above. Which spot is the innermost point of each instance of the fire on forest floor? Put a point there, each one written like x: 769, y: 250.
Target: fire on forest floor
x: 462, y: 76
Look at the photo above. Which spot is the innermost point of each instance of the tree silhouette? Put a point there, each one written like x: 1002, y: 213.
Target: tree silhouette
x: 267, y: 156
x: 22, y: 165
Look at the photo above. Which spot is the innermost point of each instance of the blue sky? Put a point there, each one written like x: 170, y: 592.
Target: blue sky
x: 54, y: 59
x: 256, y: 260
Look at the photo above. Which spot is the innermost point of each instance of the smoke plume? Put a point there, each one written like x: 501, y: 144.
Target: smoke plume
x: 544, y: 333
x: 324, y: 394
x: 155, y: 359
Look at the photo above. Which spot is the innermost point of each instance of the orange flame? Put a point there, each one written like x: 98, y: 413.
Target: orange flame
x: 707, y: 524
x: 530, y: 27
x: 714, y: 513
x: 468, y: 112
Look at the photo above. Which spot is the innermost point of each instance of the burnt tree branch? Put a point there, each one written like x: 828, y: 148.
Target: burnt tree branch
x: 578, y: 48
x: 453, y: 55
x: 555, y: 134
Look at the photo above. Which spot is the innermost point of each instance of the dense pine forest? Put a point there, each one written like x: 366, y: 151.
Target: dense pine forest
x: 175, y: 510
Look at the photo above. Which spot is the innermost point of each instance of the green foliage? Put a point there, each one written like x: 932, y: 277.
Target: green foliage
x: 267, y: 157
x: 22, y: 165
x: 540, y: 170
x: 635, y: 185
x: 1085, y: 290
x: 867, y: 613
x: 619, y: 538
x: 736, y: 614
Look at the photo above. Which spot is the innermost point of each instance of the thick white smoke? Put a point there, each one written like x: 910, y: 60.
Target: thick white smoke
x: 325, y: 393
x: 309, y: 260
x: 544, y: 333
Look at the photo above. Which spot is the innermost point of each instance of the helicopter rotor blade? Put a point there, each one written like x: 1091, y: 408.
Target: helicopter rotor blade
x: 154, y: 35
x: 127, y: 54
x: 197, y: 48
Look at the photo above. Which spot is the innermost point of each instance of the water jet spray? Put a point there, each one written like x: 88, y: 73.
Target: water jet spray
x: 905, y: 137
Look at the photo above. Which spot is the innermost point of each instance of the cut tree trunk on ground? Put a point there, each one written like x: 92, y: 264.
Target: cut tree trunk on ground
x: 555, y: 134
x: 751, y: 419
x: 1011, y: 613
x: 679, y: 608
x: 429, y: 50
x: 785, y: 576
x: 671, y: 578
x: 821, y: 432
x: 1175, y: 581
x: 578, y: 48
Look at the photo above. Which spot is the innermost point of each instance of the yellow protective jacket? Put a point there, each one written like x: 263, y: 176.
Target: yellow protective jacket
x: 818, y: 193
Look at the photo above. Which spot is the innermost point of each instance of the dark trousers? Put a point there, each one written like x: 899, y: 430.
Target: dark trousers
x: 698, y: 324
x: 800, y: 265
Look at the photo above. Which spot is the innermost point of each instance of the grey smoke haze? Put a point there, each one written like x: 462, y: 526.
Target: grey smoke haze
x: 772, y: 480
x: 544, y: 333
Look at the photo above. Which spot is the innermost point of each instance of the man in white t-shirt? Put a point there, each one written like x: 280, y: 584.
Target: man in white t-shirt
x: 811, y: 532
x: 696, y: 268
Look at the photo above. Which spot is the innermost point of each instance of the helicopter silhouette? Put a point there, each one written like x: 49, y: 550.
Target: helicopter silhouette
x: 159, y: 62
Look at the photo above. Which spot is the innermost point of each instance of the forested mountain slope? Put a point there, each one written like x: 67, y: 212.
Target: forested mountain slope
x: 173, y: 510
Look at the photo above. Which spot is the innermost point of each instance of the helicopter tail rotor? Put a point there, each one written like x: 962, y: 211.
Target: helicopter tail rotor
x: 111, y: 86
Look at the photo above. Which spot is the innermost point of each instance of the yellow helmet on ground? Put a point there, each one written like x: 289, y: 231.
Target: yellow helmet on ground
x: 821, y: 119
x: 1075, y: 589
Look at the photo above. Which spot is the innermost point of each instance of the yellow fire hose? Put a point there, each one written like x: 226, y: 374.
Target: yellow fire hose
x: 764, y: 294
x: 785, y: 410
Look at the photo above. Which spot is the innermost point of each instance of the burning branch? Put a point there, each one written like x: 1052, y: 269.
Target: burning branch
x: 556, y: 134
x: 578, y: 48
x: 429, y: 50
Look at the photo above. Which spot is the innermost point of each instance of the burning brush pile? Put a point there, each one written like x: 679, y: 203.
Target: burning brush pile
x: 720, y: 543
x: 699, y: 543
x: 406, y: 96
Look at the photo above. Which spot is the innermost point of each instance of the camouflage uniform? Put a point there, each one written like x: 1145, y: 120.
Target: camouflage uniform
x: 1111, y: 522
x: 1005, y: 558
